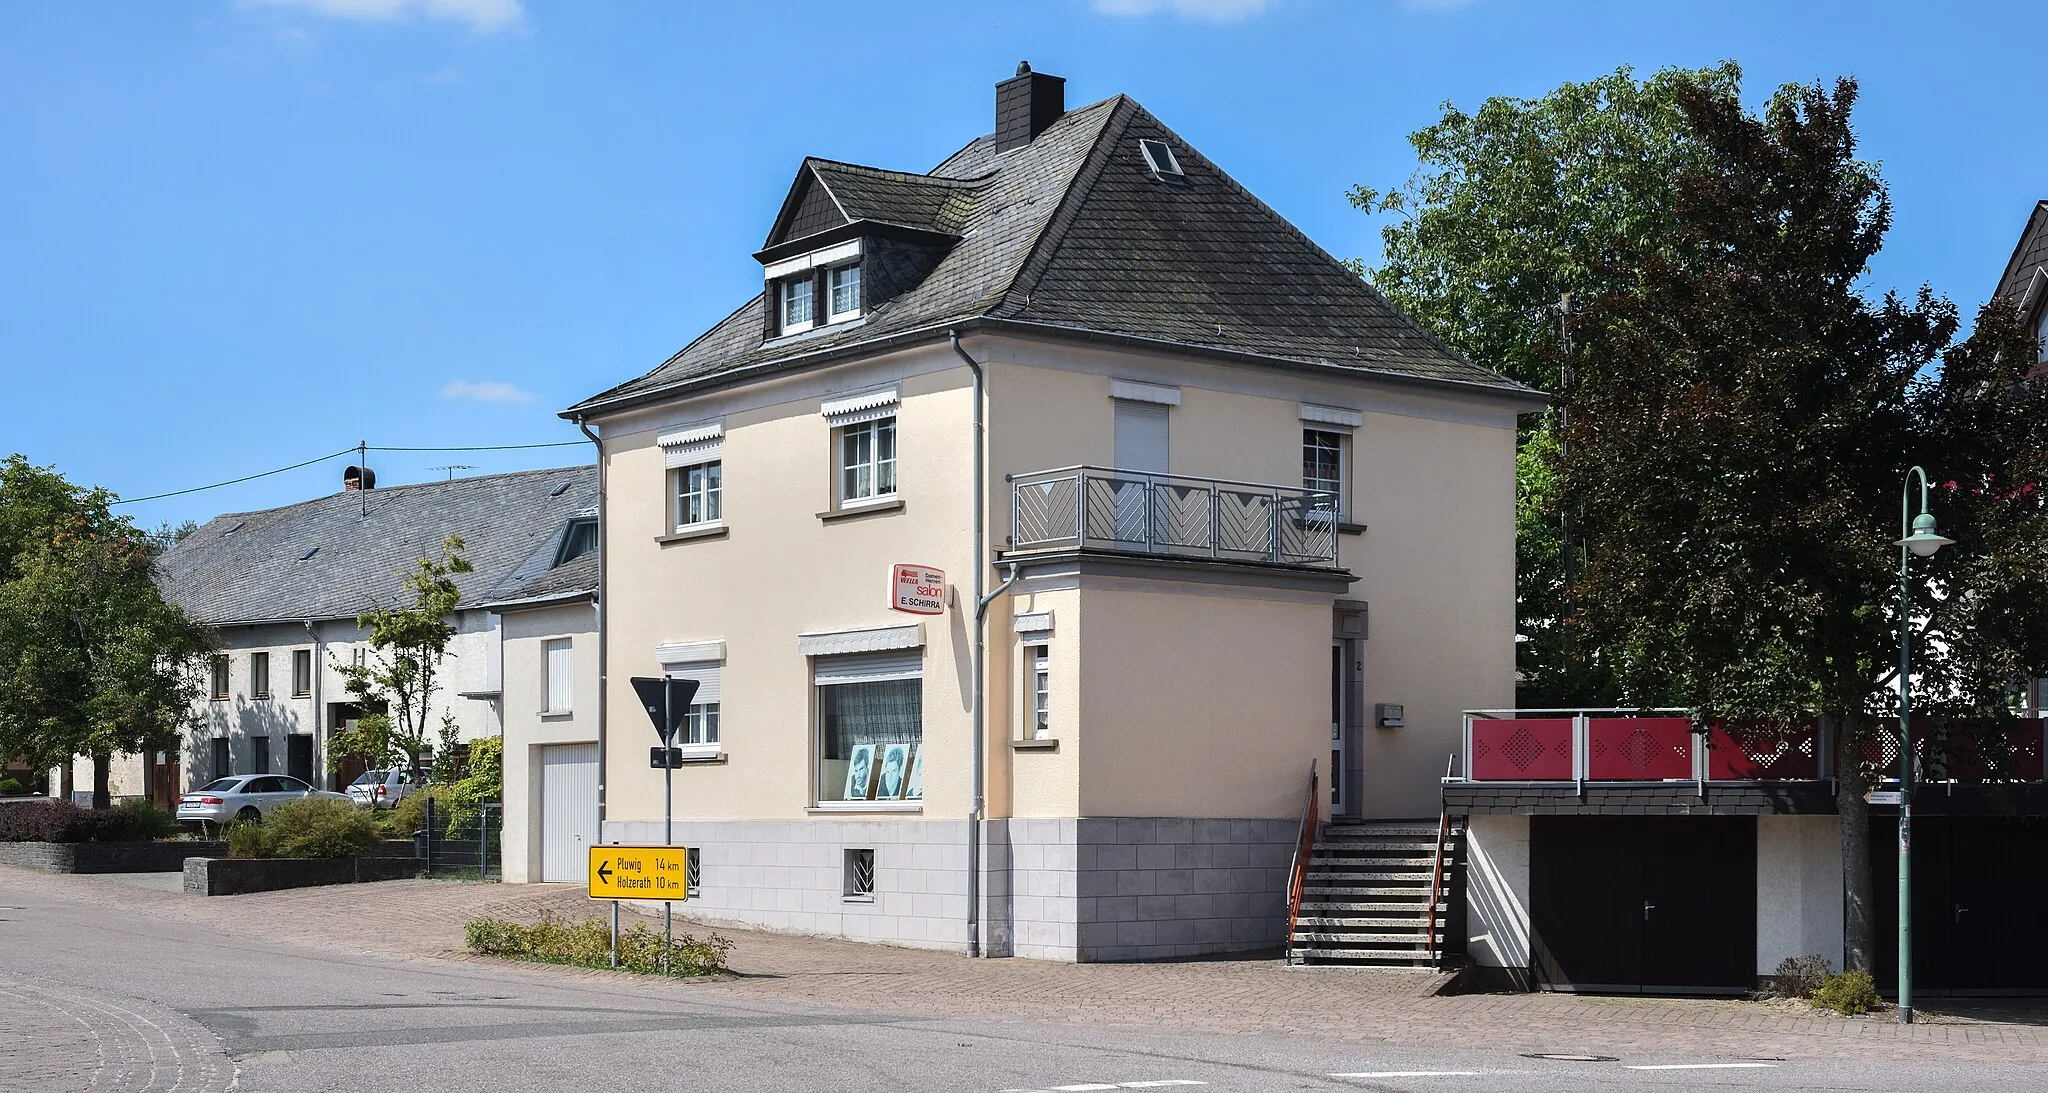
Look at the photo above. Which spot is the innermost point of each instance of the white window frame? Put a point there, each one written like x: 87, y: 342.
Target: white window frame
x: 874, y: 430
x: 1038, y: 690
x: 711, y: 497
x: 785, y: 293
x: 833, y: 314
x: 846, y: 670
x: 567, y: 679
x: 701, y: 734
x: 1338, y: 485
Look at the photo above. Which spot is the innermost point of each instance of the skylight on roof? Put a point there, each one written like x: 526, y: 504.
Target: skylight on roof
x: 310, y: 551
x: 232, y: 530
x: 1160, y: 160
x: 559, y: 490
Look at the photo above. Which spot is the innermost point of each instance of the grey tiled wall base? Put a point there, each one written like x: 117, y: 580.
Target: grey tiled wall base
x: 789, y: 875
x: 1119, y: 888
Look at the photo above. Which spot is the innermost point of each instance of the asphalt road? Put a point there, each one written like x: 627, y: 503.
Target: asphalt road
x: 95, y: 998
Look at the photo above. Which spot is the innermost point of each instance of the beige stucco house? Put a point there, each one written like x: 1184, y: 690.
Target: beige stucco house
x: 1232, y: 513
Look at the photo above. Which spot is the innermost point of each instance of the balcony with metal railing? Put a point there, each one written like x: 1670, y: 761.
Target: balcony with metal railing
x: 1084, y: 508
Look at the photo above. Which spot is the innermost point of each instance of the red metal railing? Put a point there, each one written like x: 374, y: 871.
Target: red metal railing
x: 1533, y: 749
x: 1304, y: 848
x: 1655, y: 746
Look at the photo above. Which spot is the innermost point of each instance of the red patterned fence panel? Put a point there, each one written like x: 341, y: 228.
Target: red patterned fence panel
x: 1638, y: 749
x: 1758, y: 753
x: 1982, y: 751
x: 1530, y: 749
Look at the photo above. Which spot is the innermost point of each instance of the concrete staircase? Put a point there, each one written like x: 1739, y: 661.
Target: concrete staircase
x: 1366, y: 900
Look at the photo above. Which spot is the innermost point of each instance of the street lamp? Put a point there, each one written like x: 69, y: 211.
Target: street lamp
x: 1917, y: 539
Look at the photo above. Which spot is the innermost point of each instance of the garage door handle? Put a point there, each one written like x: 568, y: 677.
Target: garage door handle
x: 1647, y: 908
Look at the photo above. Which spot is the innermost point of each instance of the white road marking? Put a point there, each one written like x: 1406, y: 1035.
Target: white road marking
x: 1411, y: 1074
x: 1705, y: 1066
x: 1095, y: 1087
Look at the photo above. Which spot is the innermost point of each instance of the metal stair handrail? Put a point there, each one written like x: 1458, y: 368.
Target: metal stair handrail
x: 1436, y: 879
x: 1297, y: 872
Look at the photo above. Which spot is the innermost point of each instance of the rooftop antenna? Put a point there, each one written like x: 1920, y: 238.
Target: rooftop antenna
x: 451, y: 468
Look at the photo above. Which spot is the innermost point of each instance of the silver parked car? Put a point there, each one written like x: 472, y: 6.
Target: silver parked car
x: 383, y: 788
x: 245, y: 797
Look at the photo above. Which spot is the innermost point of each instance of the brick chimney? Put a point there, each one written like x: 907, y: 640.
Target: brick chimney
x: 1026, y: 105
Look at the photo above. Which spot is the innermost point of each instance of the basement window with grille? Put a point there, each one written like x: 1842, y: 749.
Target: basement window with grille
x: 693, y: 874
x: 860, y: 877
x: 1160, y: 160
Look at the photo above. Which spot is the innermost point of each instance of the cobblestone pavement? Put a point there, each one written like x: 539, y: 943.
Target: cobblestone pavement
x: 71, y: 1039
x: 423, y: 920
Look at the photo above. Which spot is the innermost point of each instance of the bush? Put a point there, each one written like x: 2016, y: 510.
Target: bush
x: 64, y: 822
x: 1800, y: 976
x: 146, y: 821
x: 245, y: 840
x: 1850, y: 993
x: 587, y: 943
x: 9, y: 787
x: 408, y: 815
x: 318, y: 828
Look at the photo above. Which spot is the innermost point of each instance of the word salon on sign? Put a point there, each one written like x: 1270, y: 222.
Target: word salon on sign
x: 639, y: 872
x: 917, y: 589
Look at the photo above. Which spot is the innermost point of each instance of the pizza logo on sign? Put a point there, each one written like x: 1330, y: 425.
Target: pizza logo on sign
x: 917, y: 589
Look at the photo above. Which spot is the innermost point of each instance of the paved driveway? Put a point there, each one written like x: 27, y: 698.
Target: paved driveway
x: 126, y: 985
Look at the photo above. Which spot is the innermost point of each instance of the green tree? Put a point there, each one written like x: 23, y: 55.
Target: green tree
x: 93, y: 661
x: 1737, y: 455
x: 1497, y: 232
x: 403, y: 670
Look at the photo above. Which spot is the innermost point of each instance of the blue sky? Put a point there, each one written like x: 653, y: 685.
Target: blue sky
x: 237, y: 234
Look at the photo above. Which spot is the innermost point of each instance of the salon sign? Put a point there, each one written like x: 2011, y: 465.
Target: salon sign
x: 917, y: 589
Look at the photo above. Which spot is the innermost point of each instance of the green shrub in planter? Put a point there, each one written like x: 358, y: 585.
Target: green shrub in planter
x: 319, y: 827
x: 1850, y: 993
x: 9, y: 788
x: 587, y: 943
x: 246, y: 840
x: 401, y: 820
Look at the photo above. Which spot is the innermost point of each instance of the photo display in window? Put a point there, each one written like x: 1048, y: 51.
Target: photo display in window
x: 869, y: 737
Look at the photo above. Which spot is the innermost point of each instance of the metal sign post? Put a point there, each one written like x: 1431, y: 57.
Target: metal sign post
x: 667, y: 702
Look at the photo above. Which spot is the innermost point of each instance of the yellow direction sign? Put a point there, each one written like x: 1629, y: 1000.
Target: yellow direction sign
x: 639, y: 872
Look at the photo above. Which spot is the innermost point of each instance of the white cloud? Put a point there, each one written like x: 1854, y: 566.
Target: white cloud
x: 483, y: 16
x: 486, y: 391
x: 1214, y: 11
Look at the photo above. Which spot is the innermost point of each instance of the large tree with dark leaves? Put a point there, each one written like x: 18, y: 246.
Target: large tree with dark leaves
x: 93, y: 661
x: 1737, y: 452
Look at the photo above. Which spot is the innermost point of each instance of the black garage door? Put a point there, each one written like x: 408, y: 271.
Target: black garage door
x: 1980, y: 904
x: 1649, y: 904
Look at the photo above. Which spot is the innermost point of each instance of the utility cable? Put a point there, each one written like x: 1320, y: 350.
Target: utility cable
x: 350, y: 450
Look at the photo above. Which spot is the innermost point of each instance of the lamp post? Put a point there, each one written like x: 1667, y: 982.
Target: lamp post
x: 1916, y: 538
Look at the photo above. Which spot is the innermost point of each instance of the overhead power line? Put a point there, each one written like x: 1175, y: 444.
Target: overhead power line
x: 350, y: 450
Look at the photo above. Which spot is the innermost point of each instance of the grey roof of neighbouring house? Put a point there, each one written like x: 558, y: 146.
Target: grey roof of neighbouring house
x: 2029, y: 260
x: 1072, y: 236
x: 251, y: 566
x: 539, y: 581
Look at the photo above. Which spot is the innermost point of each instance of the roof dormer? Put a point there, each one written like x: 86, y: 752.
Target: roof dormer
x: 849, y: 239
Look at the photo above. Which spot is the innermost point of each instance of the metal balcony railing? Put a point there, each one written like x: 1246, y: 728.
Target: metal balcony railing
x: 1100, y: 508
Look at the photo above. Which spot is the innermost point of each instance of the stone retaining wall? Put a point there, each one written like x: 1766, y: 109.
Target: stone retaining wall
x: 126, y: 857
x: 239, y: 876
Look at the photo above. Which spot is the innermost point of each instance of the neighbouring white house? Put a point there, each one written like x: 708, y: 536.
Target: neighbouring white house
x: 282, y: 589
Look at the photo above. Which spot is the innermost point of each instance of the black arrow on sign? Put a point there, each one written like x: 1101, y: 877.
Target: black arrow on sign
x: 604, y: 872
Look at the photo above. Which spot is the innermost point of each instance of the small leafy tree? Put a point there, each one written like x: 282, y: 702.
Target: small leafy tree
x: 402, y: 672
x: 93, y: 660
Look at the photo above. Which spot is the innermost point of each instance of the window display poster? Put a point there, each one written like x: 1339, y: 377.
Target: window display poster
x: 860, y: 773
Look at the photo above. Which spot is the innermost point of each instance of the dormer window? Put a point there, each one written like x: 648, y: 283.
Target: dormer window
x: 796, y: 304
x: 1160, y: 160
x: 845, y: 282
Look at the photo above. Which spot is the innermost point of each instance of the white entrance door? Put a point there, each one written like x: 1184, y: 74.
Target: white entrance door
x: 568, y: 811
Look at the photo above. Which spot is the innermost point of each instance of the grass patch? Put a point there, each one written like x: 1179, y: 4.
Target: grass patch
x: 587, y: 944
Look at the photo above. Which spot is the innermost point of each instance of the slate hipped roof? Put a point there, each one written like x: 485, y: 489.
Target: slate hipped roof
x: 1072, y: 236
x: 251, y: 566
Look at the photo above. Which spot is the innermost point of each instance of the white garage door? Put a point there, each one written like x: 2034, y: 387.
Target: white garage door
x: 568, y: 811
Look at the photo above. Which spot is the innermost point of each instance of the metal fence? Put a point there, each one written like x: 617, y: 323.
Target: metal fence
x: 464, y: 843
x: 1101, y: 508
